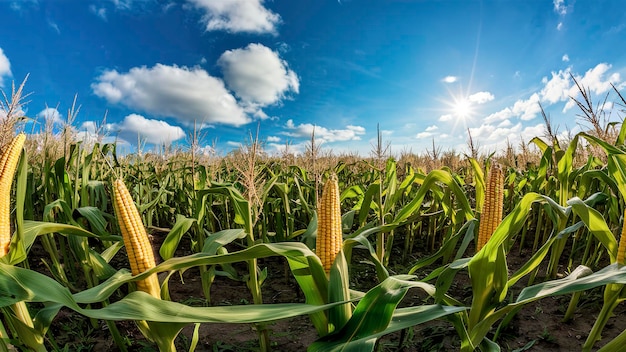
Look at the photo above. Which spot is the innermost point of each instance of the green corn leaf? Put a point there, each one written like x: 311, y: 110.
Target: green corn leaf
x: 170, y: 244
x: 373, y: 315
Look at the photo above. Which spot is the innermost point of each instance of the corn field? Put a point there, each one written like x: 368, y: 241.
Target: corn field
x: 375, y: 249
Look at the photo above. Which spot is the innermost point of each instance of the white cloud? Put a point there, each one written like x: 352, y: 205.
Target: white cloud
x: 54, y: 26
x: 323, y: 134
x: 238, y: 16
x: 595, y: 80
x: 98, y: 11
x: 89, y: 126
x: 494, y: 138
x: 503, y: 114
x: 450, y: 79
x: 51, y: 114
x: 560, y: 7
x: 273, y: 139
x: 431, y: 128
x: 423, y: 135
x: 556, y: 89
x: 258, y: 75
x: 527, y: 109
x: 152, y: 131
x: 446, y: 117
x: 5, y: 67
x: 481, y: 97
x: 17, y: 5
x: 187, y: 94
x: 565, y: 58
x: 559, y: 26
x: 122, y: 4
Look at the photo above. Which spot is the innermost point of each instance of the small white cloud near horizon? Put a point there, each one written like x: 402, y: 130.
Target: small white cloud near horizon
x: 187, y: 94
x: 450, y: 79
x: 431, y: 128
x: 153, y: 131
x: 424, y: 134
x: 481, y: 97
x: 51, y: 114
x: 565, y: 58
x: 5, y: 67
x: 323, y: 134
x: 446, y: 117
x: 248, y: 16
x: 273, y: 139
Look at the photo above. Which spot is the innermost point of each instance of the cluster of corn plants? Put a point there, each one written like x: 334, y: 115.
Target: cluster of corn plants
x: 416, y: 229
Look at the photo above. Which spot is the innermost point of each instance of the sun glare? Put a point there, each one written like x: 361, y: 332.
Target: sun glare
x: 462, y: 108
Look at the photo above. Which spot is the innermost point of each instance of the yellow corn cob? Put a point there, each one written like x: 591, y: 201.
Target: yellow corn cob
x: 329, y: 235
x: 491, y: 216
x: 136, y: 241
x: 8, y: 164
x: 621, y: 249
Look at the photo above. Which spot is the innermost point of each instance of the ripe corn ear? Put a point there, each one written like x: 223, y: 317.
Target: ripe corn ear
x: 8, y: 164
x: 136, y: 241
x: 491, y: 216
x: 329, y: 235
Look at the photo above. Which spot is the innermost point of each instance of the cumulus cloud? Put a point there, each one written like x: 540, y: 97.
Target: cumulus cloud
x: 450, y: 79
x: 527, y: 109
x: 565, y: 58
x: 494, y: 138
x: 257, y: 74
x: 431, y: 128
x: 323, y: 134
x: 237, y: 16
x: 273, y: 139
x: 556, y: 88
x: 5, y: 67
x: 51, y: 114
x: 595, y: 80
x: 446, y: 117
x: 424, y: 134
x: 152, y: 131
x: 187, y: 94
x: 481, y: 97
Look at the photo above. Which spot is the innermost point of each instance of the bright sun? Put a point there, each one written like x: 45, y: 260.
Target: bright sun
x: 462, y: 108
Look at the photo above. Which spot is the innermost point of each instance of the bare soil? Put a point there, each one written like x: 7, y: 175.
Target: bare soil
x: 537, y: 327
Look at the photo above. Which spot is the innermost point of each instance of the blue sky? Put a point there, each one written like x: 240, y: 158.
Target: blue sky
x: 424, y: 70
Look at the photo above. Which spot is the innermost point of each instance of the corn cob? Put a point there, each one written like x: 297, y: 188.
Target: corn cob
x: 492, y: 208
x: 621, y: 249
x: 136, y: 241
x: 329, y: 235
x: 8, y: 164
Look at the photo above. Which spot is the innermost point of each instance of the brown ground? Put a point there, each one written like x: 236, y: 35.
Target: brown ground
x: 537, y: 327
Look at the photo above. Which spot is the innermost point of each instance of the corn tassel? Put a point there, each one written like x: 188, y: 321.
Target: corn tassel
x: 329, y: 234
x: 8, y: 164
x: 136, y: 241
x: 491, y: 216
